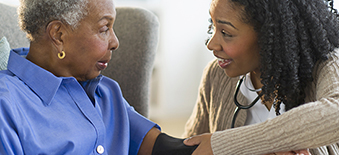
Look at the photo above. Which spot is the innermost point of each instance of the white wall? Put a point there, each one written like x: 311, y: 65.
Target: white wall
x: 10, y: 2
x: 182, y: 56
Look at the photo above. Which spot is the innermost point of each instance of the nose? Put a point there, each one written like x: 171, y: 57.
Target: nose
x: 113, y: 42
x: 213, y: 44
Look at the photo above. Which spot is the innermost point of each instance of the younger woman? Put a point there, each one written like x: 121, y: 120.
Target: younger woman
x: 284, y: 52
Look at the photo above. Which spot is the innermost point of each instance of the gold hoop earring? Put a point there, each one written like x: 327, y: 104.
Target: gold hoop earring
x: 62, y: 55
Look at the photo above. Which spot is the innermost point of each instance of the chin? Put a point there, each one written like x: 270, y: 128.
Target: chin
x: 232, y: 74
x: 88, y: 77
x: 92, y: 76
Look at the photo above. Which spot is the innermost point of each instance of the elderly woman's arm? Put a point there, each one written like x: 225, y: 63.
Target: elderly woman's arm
x: 10, y: 141
x: 148, y: 142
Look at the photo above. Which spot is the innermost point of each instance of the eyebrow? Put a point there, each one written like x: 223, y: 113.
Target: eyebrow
x: 227, y: 23
x: 224, y: 22
x: 107, y: 18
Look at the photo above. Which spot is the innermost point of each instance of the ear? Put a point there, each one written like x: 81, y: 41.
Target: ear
x: 56, y: 30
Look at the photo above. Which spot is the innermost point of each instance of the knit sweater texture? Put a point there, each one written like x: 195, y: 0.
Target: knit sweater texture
x: 313, y: 125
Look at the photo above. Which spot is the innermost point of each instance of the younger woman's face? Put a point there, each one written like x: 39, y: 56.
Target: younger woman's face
x: 233, y: 42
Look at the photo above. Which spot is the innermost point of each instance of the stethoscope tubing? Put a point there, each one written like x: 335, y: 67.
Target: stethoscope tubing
x: 239, y: 106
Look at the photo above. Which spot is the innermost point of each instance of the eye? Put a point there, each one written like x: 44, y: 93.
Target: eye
x: 104, y: 29
x: 225, y: 33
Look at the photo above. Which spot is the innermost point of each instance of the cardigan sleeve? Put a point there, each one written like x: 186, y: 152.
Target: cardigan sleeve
x: 311, y: 125
x: 198, y: 122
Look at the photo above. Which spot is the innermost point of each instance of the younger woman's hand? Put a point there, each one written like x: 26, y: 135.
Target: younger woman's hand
x: 299, y: 152
x: 204, y: 142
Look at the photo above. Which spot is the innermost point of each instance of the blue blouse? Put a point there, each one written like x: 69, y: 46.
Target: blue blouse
x: 44, y: 114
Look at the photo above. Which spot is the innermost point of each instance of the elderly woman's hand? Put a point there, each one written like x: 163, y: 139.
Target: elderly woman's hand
x: 204, y: 142
x: 299, y: 152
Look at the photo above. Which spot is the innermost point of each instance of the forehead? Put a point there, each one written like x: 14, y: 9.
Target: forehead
x: 225, y: 9
x: 101, y: 8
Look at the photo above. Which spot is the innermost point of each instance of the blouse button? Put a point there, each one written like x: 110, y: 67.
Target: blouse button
x: 100, y: 149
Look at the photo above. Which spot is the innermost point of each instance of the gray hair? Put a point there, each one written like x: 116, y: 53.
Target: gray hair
x: 34, y: 15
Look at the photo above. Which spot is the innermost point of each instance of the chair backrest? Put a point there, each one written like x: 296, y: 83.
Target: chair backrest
x: 132, y: 63
x: 9, y: 27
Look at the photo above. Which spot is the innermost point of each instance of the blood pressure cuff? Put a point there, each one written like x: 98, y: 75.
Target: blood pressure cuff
x: 167, y: 145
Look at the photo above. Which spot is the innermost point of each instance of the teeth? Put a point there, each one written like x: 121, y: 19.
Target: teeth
x: 221, y: 60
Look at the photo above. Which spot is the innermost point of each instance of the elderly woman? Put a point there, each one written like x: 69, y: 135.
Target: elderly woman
x: 53, y: 99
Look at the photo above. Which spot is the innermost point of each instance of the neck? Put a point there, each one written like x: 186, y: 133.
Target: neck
x: 256, y: 80
x: 41, y: 56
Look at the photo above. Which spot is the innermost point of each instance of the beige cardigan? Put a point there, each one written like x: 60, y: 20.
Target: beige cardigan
x: 311, y: 125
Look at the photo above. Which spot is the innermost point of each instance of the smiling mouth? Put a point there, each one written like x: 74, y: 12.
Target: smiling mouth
x: 223, y: 63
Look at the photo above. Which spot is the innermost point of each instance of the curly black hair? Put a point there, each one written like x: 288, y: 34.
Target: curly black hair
x: 293, y: 36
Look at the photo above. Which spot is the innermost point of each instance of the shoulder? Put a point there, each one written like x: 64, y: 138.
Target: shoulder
x: 215, y: 76
x: 109, y: 82
x: 9, y: 86
x: 212, y: 68
x: 108, y: 85
x: 8, y: 81
x: 328, y: 67
x: 326, y: 77
x: 212, y: 71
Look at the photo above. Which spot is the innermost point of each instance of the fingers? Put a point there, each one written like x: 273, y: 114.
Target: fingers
x: 281, y: 153
x: 303, y: 152
x: 196, y: 140
x: 204, y: 142
x: 299, y: 152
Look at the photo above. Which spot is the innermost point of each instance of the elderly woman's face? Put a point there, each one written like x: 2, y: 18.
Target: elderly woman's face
x: 88, y: 47
x: 233, y: 42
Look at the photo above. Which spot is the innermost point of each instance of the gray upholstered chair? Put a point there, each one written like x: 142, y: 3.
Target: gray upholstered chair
x: 131, y: 65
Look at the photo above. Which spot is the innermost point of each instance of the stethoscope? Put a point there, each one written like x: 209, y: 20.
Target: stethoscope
x: 239, y: 106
